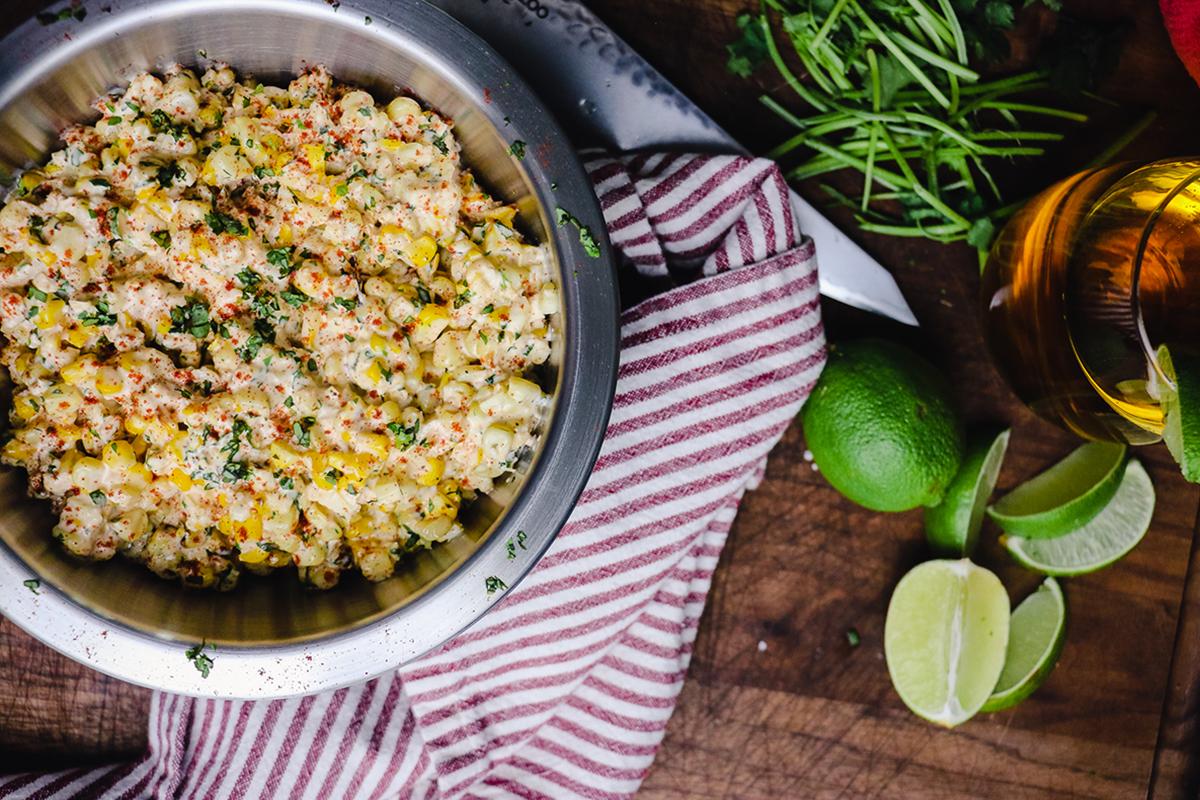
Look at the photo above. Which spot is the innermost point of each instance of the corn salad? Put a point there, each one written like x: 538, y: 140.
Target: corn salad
x: 252, y: 327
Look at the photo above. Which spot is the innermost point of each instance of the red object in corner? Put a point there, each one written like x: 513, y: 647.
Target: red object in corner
x: 1182, y: 18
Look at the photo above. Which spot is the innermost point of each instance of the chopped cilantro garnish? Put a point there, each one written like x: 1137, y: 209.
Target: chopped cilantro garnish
x: 102, y: 182
x: 301, y: 430
x: 517, y: 149
x: 235, y: 471
x: 348, y: 303
x: 192, y: 317
x: 521, y: 539
x: 223, y: 223
x: 493, y: 584
x: 286, y: 482
x: 101, y: 316
x: 462, y: 298
x: 200, y: 660
x: 248, y: 278
x: 36, y: 226
x: 162, y: 239
x: 98, y: 497
x: 33, y: 584
x: 590, y: 246
x: 264, y: 172
x: 439, y: 142
x: 423, y: 294
x: 168, y: 174
x: 294, y: 297
x: 489, y: 308
x: 406, y: 437
x: 34, y: 293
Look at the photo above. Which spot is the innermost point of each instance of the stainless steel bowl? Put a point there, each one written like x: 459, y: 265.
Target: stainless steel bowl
x: 272, y: 637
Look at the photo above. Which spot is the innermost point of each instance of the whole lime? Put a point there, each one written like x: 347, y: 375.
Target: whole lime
x: 881, y: 426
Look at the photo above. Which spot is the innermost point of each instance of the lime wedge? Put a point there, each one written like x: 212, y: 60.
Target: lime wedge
x: 1064, y: 497
x: 1110, y: 535
x: 1181, y: 408
x: 944, y: 639
x: 1036, y: 634
x: 952, y: 526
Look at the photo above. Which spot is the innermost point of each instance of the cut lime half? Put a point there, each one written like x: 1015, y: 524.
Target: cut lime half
x: 1064, y: 497
x: 1036, y: 633
x: 1105, y: 539
x: 944, y: 639
x: 1180, y: 400
x: 952, y: 526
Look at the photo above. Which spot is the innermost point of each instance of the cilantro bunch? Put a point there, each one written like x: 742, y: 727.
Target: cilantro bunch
x: 890, y: 89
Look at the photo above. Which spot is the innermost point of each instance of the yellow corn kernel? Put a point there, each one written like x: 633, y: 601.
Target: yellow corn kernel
x: 253, y: 555
x: 16, y: 452
x: 376, y: 444
x: 92, y: 261
x: 374, y: 372
x: 283, y: 455
x: 140, y: 446
x: 285, y: 234
x: 249, y: 529
x: 69, y: 460
x: 118, y: 454
x: 78, y: 337
x: 401, y: 108
x: 431, y: 313
x: 49, y: 314
x: 225, y: 525
x: 391, y: 230
x: 421, y: 251
x: 108, y: 381
x: 389, y: 411
x: 25, y: 407
x: 182, y: 480
x: 31, y: 180
x: 70, y: 434
x: 315, y: 155
x: 200, y: 246
x: 210, y: 114
x: 390, y: 144
x: 432, y: 473
x: 504, y: 215
x: 380, y: 345
x: 135, y: 424
x: 141, y: 473
x: 48, y: 258
x: 321, y: 476
x: 360, y: 528
x: 78, y: 371
x: 223, y: 500
x: 128, y: 361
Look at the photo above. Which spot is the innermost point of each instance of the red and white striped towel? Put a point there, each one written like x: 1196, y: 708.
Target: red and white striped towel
x: 565, y: 688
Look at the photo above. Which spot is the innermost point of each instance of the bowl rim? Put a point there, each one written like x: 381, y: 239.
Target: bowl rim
x: 571, y: 445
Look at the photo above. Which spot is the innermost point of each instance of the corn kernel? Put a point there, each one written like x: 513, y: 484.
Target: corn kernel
x: 78, y: 337
x: 118, y: 454
x: 253, y: 555
x: 374, y: 372
x: 432, y: 473
x: 389, y: 411
x: 377, y: 444
x: 141, y: 474
x: 109, y: 382
x: 315, y: 155
x: 285, y: 234
x: 431, y: 313
x: 283, y: 455
x: 421, y: 251
x: 135, y: 424
x: 380, y: 345
x: 16, y: 452
x: 182, y: 480
x: 503, y: 214
x: 49, y: 314
x: 248, y: 529
x: 25, y: 407
x: 401, y: 108
x: 78, y: 371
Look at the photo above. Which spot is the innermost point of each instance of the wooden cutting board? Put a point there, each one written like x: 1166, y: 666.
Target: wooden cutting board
x: 778, y: 703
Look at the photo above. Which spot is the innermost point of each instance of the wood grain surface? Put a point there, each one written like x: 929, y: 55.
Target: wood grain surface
x: 778, y: 703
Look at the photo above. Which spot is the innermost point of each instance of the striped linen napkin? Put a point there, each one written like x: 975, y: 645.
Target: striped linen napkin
x: 564, y: 689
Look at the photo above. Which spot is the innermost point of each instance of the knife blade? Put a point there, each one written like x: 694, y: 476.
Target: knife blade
x: 609, y: 96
